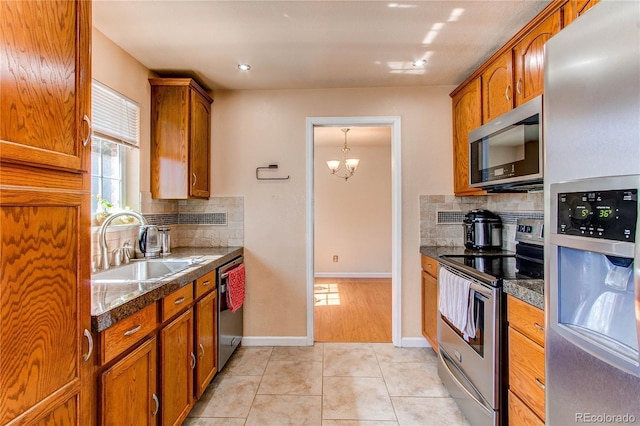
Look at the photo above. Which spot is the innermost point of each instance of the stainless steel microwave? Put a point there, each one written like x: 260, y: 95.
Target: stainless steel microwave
x: 506, y: 153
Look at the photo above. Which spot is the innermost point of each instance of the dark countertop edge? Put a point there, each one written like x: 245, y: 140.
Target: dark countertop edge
x: 528, y: 290
x: 104, y: 320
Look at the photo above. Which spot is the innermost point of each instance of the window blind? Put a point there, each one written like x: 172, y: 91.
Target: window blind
x: 114, y: 116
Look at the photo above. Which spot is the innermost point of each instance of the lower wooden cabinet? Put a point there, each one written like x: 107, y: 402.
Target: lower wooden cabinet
x: 526, y: 363
x: 430, y: 301
x: 177, y: 362
x: 206, y: 334
x: 128, y: 389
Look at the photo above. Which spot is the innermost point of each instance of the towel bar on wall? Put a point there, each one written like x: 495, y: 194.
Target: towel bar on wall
x: 269, y: 167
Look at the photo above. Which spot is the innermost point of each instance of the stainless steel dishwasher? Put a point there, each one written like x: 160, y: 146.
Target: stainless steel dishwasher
x: 229, y: 323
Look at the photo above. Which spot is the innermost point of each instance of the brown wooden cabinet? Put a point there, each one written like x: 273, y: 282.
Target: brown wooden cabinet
x: 180, y: 139
x: 528, y: 56
x: 466, y: 116
x: 497, y: 87
x: 206, y: 339
x: 128, y: 389
x: 430, y: 301
x: 573, y: 9
x: 177, y: 364
x: 526, y: 362
x: 46, y: 361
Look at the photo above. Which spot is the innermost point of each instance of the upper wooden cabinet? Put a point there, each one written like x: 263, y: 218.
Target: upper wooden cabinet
x: 467, y: 115
x: 528, y: 55
x: 46, y: 88
x: 497, y: 87
x: 180, y: 139
x: 46, y: 360
x: 574, y: 9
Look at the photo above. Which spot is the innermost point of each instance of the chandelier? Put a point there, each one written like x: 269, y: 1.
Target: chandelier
x: 347, y: 166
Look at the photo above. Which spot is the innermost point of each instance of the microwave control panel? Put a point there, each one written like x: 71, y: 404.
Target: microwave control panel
x: 611, y: 215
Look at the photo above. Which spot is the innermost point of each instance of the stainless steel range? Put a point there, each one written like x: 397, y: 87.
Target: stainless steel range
x: 472, y: 346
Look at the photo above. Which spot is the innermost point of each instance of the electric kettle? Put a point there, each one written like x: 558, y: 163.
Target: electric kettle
x: 148, y: 242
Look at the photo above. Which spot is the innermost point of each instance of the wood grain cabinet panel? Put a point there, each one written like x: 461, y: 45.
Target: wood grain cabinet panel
x: 573, y: 9
x: 497, y: 87
x: 526, y: 371
x: 125, y: 334
x: 528, y: 55
x: 520, y: 414
x: 206, y: 334
x: 45, y: 85
x: 180, y: 139
x: 430, y: 309
x: 177, y: 366
x: 526, y: 318
x: 128, y: 389
x: 467, y: 115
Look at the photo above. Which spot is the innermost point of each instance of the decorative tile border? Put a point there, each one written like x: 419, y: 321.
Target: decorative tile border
x: 187, y: 219
x: 457, y: 217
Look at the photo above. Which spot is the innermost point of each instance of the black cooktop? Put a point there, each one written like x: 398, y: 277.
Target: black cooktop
x: 494, y: 267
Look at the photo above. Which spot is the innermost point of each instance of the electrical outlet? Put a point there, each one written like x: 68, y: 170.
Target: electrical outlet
x: 335, y: 257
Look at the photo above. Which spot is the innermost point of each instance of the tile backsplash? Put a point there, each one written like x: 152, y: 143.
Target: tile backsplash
x: 441, y: 216
x: 217, y: 222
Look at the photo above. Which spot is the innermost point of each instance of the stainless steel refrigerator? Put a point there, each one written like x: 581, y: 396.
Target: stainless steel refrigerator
x: 591, y: 122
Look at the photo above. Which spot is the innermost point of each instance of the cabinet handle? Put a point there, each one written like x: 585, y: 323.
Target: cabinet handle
x: 179, y: 301
x: 201, y: 351
x: 193, y: 360
x: 157, y: 401
x: 519, y: 86
x: 134, y: 330
x: 86, y: 140
x: 540, y: 384
x: 207, y: 282
x: 507, y: 93
x: 195, y: 179
x: 538, y: 326
x: 89, y: 337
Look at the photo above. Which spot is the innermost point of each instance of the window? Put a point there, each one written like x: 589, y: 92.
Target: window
x: 116, y: 130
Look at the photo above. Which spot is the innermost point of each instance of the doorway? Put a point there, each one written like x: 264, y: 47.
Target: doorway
x: 392, y: 124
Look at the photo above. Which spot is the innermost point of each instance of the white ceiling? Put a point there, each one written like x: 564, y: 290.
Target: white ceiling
x: 313, y: 44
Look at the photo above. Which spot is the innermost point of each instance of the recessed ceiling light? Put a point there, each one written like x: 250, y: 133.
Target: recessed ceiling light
x: 244, y: 67
x: 419, y: 63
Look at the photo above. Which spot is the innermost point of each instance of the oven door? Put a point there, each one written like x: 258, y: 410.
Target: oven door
x: 470, y: 368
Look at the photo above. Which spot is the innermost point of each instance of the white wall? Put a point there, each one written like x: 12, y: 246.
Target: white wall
x: 256, y: 128
x: 352, y: 219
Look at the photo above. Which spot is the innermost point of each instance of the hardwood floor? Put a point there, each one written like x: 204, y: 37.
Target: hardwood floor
x: 352, y: 310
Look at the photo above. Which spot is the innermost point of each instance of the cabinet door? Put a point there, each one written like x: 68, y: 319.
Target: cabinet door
x: 128, y: 394
x: 44, y: 306
x: 467, y: 115
x: 206, y: 341
x: 529, y: 59
x: 200, y: 146
x: 497, y: 88
x: 573, y: 9
x: 177, y: 365
x: 526, y: 372
x: 430, y: 309
x: 45, y: 85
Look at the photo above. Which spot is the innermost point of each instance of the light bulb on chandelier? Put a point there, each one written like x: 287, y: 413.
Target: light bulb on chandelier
x: 348, y: 166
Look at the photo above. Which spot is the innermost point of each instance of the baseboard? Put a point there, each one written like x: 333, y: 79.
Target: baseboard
x: 414, y: 342
x: 352, y: 274
x: 274, y: 341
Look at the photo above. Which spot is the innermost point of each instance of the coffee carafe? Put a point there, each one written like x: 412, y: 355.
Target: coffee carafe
x: 148, y: 242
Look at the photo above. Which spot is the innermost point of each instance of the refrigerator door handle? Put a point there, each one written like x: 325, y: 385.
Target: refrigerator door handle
x: 636, y: 276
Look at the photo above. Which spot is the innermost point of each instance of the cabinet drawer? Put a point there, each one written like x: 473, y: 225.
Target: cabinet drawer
x: 205, y: 284
x: 177, y: 301
x: 526, y: 318
x: 520, y: 414
x: 526, y: 371
x: 118, y: 338
x: 430, y: 266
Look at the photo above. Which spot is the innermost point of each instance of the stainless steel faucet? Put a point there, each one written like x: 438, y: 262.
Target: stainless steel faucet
x: 102, y: 238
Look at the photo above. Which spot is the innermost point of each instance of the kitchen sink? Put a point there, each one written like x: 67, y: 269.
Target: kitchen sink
x: 143, y: 270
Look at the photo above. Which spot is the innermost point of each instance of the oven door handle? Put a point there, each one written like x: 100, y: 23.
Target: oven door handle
x: 469, y: 389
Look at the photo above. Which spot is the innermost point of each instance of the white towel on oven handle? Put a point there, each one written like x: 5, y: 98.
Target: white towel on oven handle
x: 455, y: 302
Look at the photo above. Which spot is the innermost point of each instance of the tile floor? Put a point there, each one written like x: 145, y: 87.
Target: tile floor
x: 328, y: 384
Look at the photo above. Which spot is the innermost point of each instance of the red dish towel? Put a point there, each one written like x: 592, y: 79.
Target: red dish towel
x: 235, y: 288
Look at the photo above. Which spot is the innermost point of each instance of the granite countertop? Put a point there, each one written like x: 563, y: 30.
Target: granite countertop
x: 112, y: 302
x: 526, y: 289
